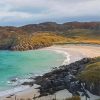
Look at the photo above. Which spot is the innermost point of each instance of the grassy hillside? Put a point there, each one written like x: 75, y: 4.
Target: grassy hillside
x: 91, y: 76
x: 45, y: 34
x: 82, y: 36
x: 36, y: 41
x: 29, y: 42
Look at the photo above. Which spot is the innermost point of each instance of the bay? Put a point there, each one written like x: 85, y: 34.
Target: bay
x: 22, y: 64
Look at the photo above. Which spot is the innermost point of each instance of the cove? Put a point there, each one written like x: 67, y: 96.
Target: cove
x: 22, y: 64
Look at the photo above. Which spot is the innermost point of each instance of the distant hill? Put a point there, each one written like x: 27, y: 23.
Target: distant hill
x: 16, y: 38
x: 52, y: 26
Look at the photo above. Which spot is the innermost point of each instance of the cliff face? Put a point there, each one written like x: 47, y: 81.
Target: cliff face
x: 26, y: 37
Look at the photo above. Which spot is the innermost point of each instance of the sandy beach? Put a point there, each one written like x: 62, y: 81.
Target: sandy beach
x: 72, y: 53
x: 76, y: 52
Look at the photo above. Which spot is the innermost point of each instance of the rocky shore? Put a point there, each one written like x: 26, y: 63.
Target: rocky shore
x: 66, y: 77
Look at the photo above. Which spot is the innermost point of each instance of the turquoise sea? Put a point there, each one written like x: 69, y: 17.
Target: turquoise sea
x: 23, y: 64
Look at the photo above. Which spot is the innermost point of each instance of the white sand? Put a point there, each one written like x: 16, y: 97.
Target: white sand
x: 76, y: 52
x: 72, y: 53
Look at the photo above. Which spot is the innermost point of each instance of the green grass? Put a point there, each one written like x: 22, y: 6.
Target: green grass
x: 91, y: 74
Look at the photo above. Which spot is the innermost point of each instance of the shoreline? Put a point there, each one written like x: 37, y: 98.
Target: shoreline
x: 71, y: 53
x: 22, y: 88
x: 67, y: 56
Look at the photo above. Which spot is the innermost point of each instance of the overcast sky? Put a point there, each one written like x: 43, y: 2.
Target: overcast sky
x: 20, y: 12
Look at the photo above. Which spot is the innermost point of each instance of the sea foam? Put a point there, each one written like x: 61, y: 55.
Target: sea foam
x: 13, y: 91
x: 67, y: 56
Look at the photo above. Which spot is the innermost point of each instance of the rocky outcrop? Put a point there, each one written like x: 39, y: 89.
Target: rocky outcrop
x: 28, y: 83
x: 65, y: 77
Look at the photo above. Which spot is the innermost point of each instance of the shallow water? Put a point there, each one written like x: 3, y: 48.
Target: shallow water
x: 17, y: 64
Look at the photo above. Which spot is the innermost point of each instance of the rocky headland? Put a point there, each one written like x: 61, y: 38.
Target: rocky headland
x: 69, y: 77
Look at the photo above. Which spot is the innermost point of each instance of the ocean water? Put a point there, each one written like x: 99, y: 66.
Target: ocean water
x: 23, y: 64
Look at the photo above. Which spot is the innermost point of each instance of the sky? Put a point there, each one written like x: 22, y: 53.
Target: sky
x: 21, y: 12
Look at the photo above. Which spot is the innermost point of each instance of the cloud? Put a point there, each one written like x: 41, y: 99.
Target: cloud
x: 27, y: 11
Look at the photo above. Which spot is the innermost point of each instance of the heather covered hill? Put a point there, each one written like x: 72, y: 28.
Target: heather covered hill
x: 35, y: 36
